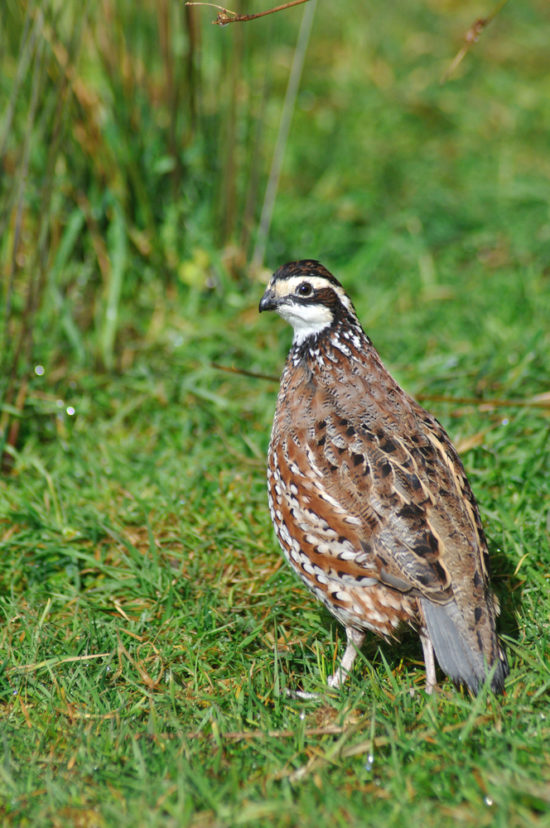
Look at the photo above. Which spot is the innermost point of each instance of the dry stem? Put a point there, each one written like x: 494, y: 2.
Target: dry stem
x: 471, y: 37
x: 226, y: 16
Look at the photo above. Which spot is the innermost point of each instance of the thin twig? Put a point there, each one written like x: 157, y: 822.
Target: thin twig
x: 471, y: 37
x: 247, y: 735
x: 55, y: 662
x: 328, y: 730
x: 229, y: 369
x: 226, y: 16
x: 496, y: 403
x: 543, y: 401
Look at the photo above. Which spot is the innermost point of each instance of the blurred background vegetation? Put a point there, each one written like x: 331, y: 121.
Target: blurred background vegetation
x: 137, y: 142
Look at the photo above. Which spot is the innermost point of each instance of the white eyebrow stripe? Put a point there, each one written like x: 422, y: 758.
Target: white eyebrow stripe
x: 306, y: 318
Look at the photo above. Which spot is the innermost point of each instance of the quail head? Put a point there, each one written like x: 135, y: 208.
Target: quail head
x: 369, y: 499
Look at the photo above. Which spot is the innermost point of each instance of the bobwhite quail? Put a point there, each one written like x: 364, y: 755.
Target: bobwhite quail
x: 369, y: 499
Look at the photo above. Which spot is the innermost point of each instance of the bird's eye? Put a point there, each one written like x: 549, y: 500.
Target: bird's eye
x: 304, y: 289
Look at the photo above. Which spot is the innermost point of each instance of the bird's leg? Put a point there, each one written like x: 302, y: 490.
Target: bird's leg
x: 355, y: 642
x: 429, y: 661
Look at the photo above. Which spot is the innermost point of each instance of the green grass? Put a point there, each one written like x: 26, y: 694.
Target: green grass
x: 149, y: 626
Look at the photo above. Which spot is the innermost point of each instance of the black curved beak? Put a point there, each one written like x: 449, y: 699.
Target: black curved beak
x: 268, y: 301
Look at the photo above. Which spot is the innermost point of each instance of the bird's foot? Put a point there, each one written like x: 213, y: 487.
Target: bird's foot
x: 302, y: 694
x: 338, y: 678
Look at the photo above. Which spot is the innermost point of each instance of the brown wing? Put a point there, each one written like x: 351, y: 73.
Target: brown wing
x: 387, y: 499
x: 390, y: 484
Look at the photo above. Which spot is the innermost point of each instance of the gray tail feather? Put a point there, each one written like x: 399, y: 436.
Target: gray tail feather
x: 458, y: 659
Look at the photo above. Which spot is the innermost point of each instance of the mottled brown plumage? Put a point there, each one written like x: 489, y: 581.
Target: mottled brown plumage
x: 369, y: 499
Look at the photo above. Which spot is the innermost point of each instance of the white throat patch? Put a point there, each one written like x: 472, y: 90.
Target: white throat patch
x: 305, y: 319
